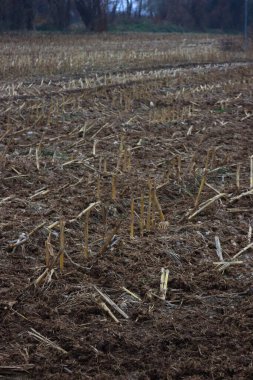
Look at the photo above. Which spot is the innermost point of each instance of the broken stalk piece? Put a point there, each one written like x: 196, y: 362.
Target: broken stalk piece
x: 114, y: 187
x: 164, y: 283
x: 203, y: 179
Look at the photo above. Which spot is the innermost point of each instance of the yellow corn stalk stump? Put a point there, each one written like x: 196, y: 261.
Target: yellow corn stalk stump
x: 164, y: 283
x: 238, y: 171
x: 203, y: 180
x: 114, y: 187
x: 108, y: 238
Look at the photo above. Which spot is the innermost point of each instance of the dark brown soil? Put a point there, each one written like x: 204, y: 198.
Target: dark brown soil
x: 203, y: 330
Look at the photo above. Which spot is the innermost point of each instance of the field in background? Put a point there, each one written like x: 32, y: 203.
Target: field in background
x: 126, y: 207
x: 41, y: 55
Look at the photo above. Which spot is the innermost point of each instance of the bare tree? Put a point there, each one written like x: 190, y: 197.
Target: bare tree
x: 4, y: 19
x: 17, y: 14
x: 129, y: 7
x: 113, y: 8
x: 139, y: 7
x: 60, y: 13
x: 93, y: 13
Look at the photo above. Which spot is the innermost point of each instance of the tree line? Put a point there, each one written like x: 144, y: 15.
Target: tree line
x: 199, y: 15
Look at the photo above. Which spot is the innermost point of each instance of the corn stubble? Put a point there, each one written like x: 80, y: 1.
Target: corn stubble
x: 144, y: 203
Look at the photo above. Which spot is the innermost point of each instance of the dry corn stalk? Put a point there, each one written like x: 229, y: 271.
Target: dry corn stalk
x: 36, y: 228
x: 82, y: 213
x: 131, y: 293
x: 119, y: 160
x: 218, y: 248
x: 39, y: 194
x: 114, y: 187
x: 45, y: 340
x: 106, y: 308
x: 37, y: 156
x: 203, y: 179
x: 242, y: 251
x: 238, y: 171
x: 41, y: 278
x: 212, y: 158
x: 164, y: 225
x: 48, y: 271
x: 206, y: 204
x: 94, y: 147
x: 158, y: 206
x: 246, y: 193
x: 224, y: 265
x: 111, y: 303
x: 192, y: 164
x: 250, y: 234
x: 164, y: 283
x: 109, y: 238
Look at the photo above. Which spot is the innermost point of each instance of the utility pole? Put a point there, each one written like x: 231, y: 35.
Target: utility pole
x: 245, y: 24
